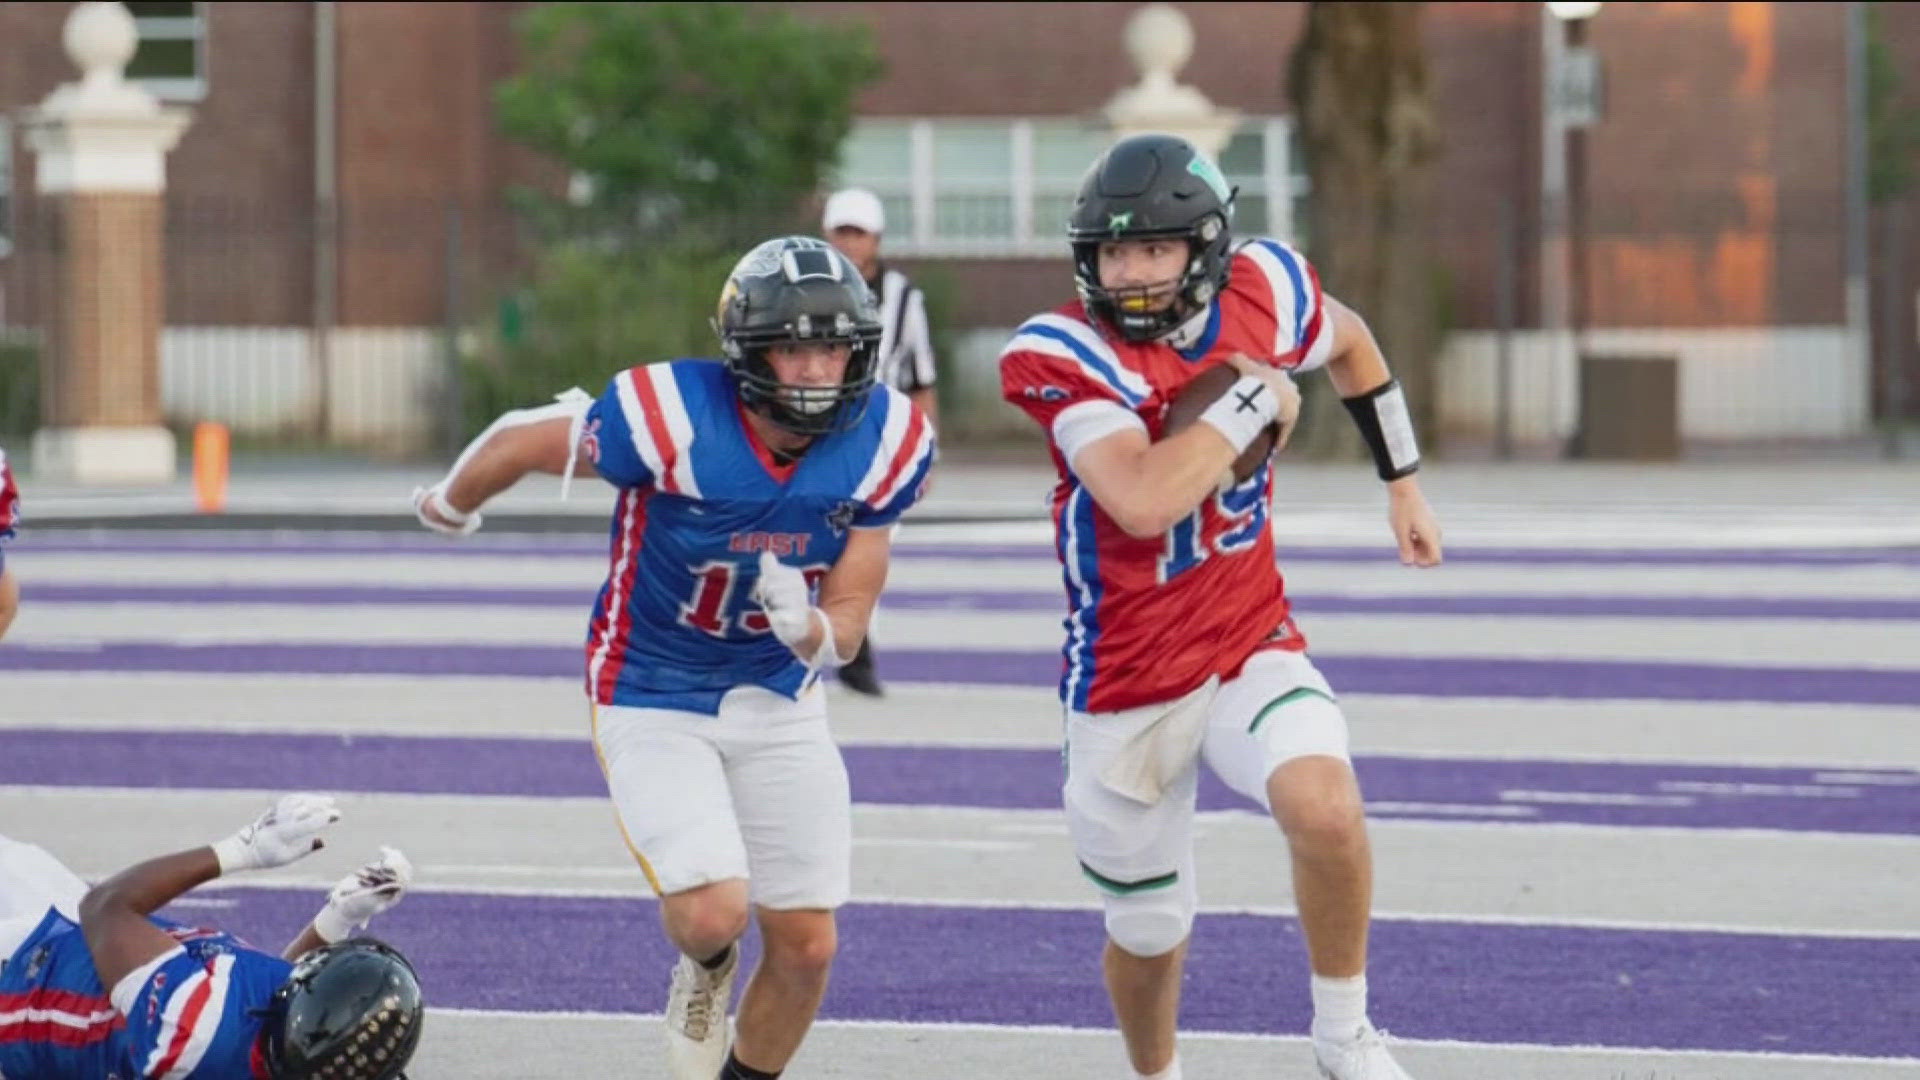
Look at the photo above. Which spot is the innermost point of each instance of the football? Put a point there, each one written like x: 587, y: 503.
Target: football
x: 1203, y: 390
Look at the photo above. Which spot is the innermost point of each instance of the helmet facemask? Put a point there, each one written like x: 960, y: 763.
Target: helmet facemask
x: 1131, y: 310
x: 1152, y: 187
x: 793, y: 290
x: 803, y: 409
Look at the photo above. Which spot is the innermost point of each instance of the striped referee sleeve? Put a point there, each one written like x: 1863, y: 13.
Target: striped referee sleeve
x: 917, y: 370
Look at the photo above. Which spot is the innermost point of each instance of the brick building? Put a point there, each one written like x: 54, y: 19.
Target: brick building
x: 341, y: 185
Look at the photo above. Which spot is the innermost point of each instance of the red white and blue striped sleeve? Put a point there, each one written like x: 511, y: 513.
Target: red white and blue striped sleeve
x: 638, y: 433
x: 197, y: 1015
x: 902, y: 462
x: 48, y: 1015
x: 1303, y: 334
x: 178, y: 1015
x: 1069, y: 380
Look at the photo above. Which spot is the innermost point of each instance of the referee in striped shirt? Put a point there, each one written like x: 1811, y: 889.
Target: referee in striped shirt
x: 853, y: 222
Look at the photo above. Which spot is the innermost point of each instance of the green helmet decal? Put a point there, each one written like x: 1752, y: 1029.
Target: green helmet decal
x: 1200, y: 166
x: 1116, y: 222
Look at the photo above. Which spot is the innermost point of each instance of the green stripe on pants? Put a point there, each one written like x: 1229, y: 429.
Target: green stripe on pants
x: 1291, y: 695
x: 1126, y: 887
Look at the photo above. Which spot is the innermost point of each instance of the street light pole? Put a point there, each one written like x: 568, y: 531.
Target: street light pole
x: 1576, y: 151
x: 1858, y: 298
x: 1573, y: 95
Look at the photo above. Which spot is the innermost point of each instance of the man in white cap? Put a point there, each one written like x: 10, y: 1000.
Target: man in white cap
x: 853, y: 222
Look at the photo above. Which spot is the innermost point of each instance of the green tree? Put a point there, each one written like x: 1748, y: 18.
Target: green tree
x: 1367, y: 129
x: 686, y: 112
x: 690, y: 132
x: 1893, y: 122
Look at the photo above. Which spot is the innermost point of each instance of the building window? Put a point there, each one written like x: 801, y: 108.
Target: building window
x: 878, y: 154
x: 1000, y: 187
x: 1062, y: 150
x: 171, y: 60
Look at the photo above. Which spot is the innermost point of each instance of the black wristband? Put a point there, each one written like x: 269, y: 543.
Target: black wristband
x: 1381, y: 416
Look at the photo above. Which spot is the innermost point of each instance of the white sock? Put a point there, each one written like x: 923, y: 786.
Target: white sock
x: 1171, y: 1072
x: 1339, y: 1007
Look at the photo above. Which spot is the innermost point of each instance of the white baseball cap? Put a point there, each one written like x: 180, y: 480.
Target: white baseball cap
x: 857, y: 207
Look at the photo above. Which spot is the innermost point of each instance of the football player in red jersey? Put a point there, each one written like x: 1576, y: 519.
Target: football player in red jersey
x: 9, y: 518
x: 1180, y: 642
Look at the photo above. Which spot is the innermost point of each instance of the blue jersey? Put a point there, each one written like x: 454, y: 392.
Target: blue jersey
x: 674, y: 626
x: 193, y: 1018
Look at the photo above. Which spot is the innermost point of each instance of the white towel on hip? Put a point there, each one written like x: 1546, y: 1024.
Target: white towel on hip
x: 1159, y: 750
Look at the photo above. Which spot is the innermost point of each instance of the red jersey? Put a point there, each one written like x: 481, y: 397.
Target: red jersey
x: 1150, y: 620
x: 9, y: 500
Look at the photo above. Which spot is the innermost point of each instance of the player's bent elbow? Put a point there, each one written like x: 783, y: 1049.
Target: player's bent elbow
x: 1130, y: 488
x: 97, y: 901
x: 1142, y: 528
x: 1141, y: 519
x: 1131, y: 504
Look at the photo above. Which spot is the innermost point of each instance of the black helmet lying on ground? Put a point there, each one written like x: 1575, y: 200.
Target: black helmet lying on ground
x: 350, y: 1011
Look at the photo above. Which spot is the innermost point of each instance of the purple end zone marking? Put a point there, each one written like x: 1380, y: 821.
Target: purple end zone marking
x: 1552, y: 985
x: 574, y: 545
x: 1901, y: 555
x: 579, y: 599
x: 1664, y: 607
x: 1435, y: 676
x: 996, y: 777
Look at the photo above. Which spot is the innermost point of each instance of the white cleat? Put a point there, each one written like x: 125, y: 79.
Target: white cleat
x: 697, y: 1018
x: 1364, y: 1058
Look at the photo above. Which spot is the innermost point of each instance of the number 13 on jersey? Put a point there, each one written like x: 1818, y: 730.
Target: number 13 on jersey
x: 715, y: 606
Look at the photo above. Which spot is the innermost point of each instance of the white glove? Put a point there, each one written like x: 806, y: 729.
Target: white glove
x: 289, y: 830
x: 782, y: 591
x: 363, y: 894
x: 431, y: 507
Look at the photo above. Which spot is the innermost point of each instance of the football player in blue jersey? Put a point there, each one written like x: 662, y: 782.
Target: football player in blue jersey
x: 749, y: 542
x: 93, y: 986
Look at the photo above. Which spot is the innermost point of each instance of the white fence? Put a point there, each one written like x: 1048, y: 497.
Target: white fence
x: 384, y: 386
x: 1760, y: 383
x: 1735, y: 384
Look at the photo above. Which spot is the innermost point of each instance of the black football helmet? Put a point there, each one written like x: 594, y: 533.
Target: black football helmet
x: 349, y: 1011
x: 797, y: 288
x: 1146, y: 187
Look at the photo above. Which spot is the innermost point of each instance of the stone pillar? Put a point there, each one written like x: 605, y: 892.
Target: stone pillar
x: 1160, y: 40
x: 101, y: 147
